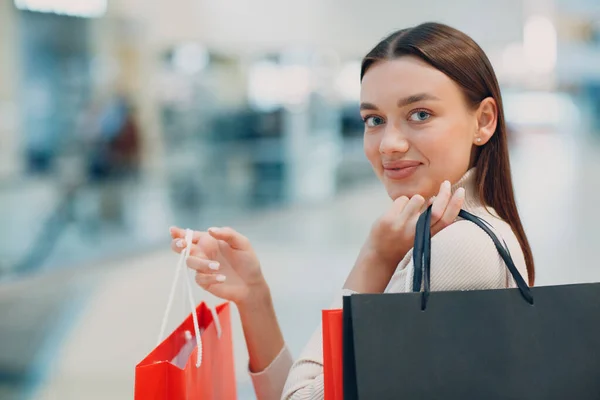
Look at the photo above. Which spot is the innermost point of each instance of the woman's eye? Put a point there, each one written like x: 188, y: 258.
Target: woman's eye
x: 373, y: 121
x: 419, y: 116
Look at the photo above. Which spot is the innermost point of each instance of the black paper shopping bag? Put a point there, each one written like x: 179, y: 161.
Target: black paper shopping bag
x: 525, y: 343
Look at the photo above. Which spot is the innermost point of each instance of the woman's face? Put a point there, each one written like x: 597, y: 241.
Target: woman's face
x: 419, y: 130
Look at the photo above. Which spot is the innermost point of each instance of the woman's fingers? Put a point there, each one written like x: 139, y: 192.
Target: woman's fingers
x: 402, y: 211
x: 413, y: 206
x: 203, y: 265
x: 391, y: 218
x: 177, y: 245
x: 206, y: 280
x: 203, y: 244
x: 233, y: 238
x: 398, y: 206
x: 441, y: 202
x: 207, y: 271
x: 411, y: 211
x: 178, y: 235
x: 451, y: 212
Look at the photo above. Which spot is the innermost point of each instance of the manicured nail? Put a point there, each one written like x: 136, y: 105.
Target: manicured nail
x: 215, y: 230
x: 213, y: 265
x: 460, y: 192
x: 221, y: 278
x: 447, y: 184
x: 179, y: 243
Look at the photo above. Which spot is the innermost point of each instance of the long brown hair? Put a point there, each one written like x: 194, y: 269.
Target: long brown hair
x: 462, y: 60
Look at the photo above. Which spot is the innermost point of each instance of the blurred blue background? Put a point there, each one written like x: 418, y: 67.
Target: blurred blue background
x: 120, y: 118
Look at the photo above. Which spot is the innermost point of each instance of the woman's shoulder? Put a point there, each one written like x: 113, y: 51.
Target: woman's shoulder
x: 466, y: 231
x: 464, y: 257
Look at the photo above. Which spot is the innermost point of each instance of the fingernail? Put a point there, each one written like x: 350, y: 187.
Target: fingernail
x: 215, y: 230
x: 221, y: 278
x: 460, y: 192
x: 179, y: 243
x: 213, y: 265
x: 447, y: 184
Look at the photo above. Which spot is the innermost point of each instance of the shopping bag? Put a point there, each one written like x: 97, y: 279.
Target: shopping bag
x: 195, y: 362
x: 169, y: 372
x: 537, y: 343
x: 332, y: 354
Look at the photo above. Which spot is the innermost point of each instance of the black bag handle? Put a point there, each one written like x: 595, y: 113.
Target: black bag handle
x: 422, y: 255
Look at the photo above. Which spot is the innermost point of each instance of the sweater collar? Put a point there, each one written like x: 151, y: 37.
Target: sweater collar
x: 467, y: 182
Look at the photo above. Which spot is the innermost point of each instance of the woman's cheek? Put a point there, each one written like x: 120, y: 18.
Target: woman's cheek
x: 371, y: 149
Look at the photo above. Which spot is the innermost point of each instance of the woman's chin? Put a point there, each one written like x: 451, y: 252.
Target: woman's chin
x: 396, y: 191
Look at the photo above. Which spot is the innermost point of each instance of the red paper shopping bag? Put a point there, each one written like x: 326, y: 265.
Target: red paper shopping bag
x: 169, y: 372
x: 332, y: 354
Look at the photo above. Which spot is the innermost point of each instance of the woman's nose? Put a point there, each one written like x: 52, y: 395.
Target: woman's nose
x: 393, y: 141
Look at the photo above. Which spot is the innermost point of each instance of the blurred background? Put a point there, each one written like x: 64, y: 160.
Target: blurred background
x: 121, y: 118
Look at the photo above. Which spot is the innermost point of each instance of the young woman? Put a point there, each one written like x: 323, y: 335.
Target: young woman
x: 434, y: 134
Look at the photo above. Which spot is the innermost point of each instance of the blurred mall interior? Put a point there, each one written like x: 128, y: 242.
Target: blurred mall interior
x: 121, y: 118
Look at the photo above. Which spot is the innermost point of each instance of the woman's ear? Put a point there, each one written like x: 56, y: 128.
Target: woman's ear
x: 487, y: 120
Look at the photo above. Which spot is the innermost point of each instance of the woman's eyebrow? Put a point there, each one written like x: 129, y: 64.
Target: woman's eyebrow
x: 416, y: 98
x: 368, y: 106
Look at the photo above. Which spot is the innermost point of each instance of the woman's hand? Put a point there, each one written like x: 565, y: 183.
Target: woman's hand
x: 392, y: 236
x: 225, y: 263
x: 227, y: 267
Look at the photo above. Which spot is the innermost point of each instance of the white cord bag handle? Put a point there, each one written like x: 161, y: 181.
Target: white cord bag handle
x: 181, y: 267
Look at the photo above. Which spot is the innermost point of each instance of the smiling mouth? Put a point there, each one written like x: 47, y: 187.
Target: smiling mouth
x: 400, y: 173
x: 401, y: 169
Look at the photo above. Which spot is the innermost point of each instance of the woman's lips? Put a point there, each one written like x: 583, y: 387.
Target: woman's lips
x: 401, y: 169
x: 400, y: 173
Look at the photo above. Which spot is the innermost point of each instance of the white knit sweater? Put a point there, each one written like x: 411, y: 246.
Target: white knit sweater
x: 463, y: 257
